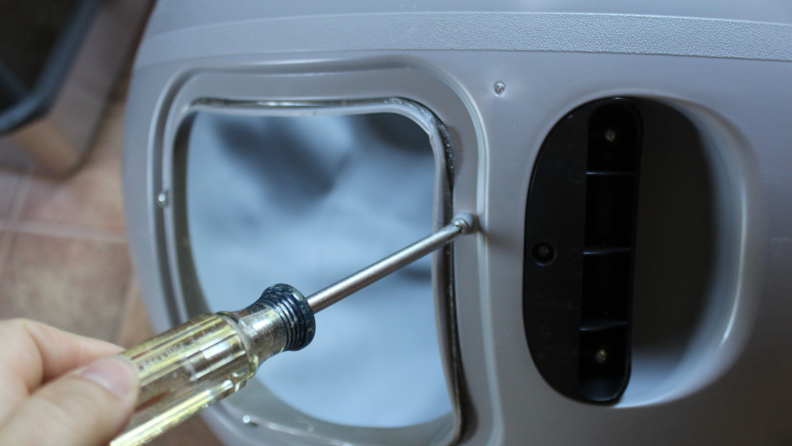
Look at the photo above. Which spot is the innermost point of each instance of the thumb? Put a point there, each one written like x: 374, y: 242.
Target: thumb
x: 85, y: 408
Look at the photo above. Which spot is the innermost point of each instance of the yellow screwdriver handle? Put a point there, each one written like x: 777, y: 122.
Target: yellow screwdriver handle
x: 194, y: 365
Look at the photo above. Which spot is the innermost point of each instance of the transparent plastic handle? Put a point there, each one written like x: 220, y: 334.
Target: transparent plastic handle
x: 183, y: 371
x: 192, y: 366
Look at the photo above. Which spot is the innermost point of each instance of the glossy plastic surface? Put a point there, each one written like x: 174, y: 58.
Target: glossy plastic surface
x: 182, y: 371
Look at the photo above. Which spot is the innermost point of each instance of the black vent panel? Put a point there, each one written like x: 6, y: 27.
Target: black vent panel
x: 580, y: 251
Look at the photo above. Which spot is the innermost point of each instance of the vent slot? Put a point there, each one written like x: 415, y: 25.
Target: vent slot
x: 609, y: 211
x: 606, y: 290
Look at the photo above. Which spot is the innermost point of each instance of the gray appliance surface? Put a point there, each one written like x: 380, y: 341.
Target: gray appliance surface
x: 711, y: 331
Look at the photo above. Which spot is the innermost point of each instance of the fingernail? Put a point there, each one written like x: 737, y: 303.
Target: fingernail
x: 113, y: 373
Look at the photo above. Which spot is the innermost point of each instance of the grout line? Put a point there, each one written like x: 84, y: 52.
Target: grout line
x: 9, y: 225
x: 99, y: 235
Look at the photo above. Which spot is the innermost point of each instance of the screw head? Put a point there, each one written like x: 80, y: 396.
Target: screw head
x: 249, y: 421
x: 543, y: 253
x: 601, y: 356
x: 500, y: 87
x: 163, y: 199
x: 610, y: 135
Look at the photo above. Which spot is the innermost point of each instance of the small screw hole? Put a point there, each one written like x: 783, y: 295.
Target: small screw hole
x: 543, y: 253
x: 601, y: 356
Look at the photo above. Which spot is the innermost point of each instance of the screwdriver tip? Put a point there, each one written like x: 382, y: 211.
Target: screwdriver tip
x: 466, y: 222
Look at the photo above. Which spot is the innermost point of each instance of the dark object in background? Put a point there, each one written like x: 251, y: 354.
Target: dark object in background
x: 28, y: 34
x: 58, y: 62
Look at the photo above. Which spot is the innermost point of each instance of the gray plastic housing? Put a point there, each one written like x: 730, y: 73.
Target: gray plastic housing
x: 711, y: 360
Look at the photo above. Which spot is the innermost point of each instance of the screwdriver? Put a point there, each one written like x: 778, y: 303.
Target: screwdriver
x: 198, y: 363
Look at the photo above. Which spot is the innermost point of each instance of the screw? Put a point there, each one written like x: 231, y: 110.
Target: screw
x: 500, y: 87
x: 163, y: 199
x: 249, y: 421
x: 543, y: 253
x: 601, y: 356
x: 610, y: 135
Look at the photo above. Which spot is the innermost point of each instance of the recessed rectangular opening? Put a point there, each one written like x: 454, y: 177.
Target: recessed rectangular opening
x: 307, y: 198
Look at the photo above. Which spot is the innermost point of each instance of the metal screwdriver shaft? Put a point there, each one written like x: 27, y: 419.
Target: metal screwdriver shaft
x: 211, y: 356
x: 463, y: 223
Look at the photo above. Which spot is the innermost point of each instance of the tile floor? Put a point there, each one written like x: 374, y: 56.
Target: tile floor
x: 64, y: 258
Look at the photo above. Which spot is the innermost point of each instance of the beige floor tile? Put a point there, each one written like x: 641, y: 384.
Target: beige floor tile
x: 76, y: 285
x: 134, y: 327
x: 9, y: 180
x: 91, y: 197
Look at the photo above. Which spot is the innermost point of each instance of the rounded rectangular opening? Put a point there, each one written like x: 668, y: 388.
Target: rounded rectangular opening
x: 307, y: 198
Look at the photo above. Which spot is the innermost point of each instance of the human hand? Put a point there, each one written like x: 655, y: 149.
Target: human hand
x: 44, y: 401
